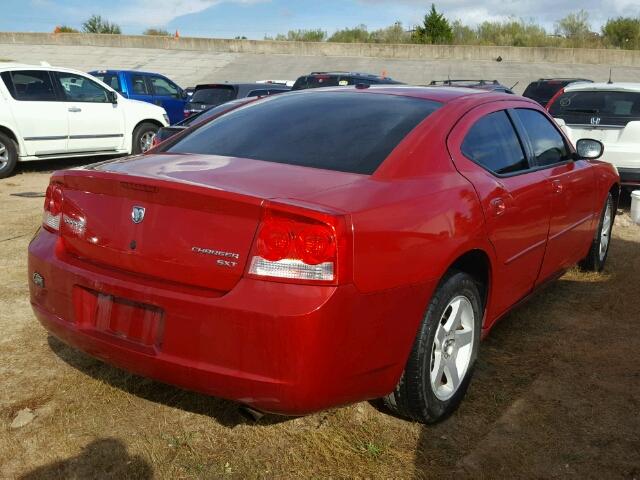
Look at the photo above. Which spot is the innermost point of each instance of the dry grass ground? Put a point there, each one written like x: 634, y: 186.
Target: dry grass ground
x: 556, y: 395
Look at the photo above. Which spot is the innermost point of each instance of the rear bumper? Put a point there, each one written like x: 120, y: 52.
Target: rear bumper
x: 629, y: 176
x: 282, y: 348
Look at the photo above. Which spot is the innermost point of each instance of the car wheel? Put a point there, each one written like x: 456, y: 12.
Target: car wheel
x: 143, y: 137
x: 441, y: 362
x: 8, y: 155
x: 597, y: 256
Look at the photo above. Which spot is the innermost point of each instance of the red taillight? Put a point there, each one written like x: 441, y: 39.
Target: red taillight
x: 53, y: 207
x: 307, y: 247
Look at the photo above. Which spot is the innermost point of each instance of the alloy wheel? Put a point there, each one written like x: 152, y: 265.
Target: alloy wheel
x: 452, y: 348
x: 605, y: 232
x: 146, y: 141
x: 4, y: 155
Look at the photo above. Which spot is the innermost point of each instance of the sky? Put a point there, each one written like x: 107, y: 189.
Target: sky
x: 256, y: 19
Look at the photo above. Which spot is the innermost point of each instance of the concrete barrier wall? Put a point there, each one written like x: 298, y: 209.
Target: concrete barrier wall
x: 626, y: 58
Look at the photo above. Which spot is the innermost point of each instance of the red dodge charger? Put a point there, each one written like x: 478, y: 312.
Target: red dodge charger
x: 321, y: 247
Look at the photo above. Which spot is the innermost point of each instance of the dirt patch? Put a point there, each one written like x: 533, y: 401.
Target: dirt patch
x: 556, y: 394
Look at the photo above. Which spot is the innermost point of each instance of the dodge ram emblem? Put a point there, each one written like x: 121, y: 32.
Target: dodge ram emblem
x: 137, y: 214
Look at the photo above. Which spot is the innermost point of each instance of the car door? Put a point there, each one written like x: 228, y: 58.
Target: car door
x: 169, y: 96
x: 95, y: 124
x: 572, y: 192
x: 39, y: 115
x: 488, y: 151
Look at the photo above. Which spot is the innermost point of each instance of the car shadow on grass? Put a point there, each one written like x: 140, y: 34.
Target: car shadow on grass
x: 226, y: 413
x: 543, y: 377
x: 105, y: 458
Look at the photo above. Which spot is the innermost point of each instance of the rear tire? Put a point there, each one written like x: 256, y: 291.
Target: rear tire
x: 599, y: 251
x: 8, y: 155
x: 440, y: 366
x: 143, y: 137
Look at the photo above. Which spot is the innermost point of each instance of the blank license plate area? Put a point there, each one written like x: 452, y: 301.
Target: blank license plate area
x: 119, y: 317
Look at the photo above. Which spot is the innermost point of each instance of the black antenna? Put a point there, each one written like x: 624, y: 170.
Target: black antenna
x: 610, y: 81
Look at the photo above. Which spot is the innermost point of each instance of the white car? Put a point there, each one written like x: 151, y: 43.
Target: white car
x: 48, y: 112
x: 608, y: 112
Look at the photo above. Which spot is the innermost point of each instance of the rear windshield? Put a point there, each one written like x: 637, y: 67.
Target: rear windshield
x: 213, y: 95
x: 342, y: 131
x: 597, y: 108
x: 211, y: 112
x: 542, y: 92
x: 110, y: 79
x: 317, y: 81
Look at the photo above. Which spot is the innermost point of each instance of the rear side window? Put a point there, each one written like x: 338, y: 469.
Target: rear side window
x: 214, y: 95
x: 597, y: 108
x: 341, y: 131
x: 492, y: 142
x: 318, y: 81
x: 110, y: 79
x: 548, y: 145
x: 30, y: 85
x: 542, y: 92
x: 139, y: 85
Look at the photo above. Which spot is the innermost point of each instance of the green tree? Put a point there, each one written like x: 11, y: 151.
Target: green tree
x: 434, y: 29
x: 622, y: 32
x: 462, y: 34
x: 160, y: 32
x: 392, y: 34
x: 357, y: 34
x: 96, y: 24
x: 574, y: 26
x: 317, y: 35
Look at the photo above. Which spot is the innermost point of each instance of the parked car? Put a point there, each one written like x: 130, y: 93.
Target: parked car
x: 322, y: 247
x: 609, y: 113
x: 211, y: 95
x: 147, y: 87
x: 340, y: 79
x: 491, y: 85
x: 199, y: 118
x: 544, y: 89
x: 49, y: 112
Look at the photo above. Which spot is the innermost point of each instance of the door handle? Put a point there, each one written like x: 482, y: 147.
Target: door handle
x: 75, y: 109
x: 557, y: 186
x: 498, y: 207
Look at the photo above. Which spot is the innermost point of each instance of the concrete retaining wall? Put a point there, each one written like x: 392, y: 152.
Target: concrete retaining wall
x: 329, y: 49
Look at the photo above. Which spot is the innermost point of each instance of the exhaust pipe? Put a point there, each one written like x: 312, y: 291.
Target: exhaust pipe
x: 250, y: 414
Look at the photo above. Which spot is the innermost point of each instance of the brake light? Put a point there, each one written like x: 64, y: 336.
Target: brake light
x: 53, y: 207
x: 307, y: 248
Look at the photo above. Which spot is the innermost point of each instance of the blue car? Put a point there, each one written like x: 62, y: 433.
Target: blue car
x: 147, y: 87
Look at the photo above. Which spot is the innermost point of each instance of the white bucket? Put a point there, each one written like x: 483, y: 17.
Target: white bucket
x: 635, y: 206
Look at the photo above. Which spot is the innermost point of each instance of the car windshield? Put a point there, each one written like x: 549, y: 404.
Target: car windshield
x: 110, y: 79
x: 213, y: 95
x: 342, y: 131
x: 604, y: 108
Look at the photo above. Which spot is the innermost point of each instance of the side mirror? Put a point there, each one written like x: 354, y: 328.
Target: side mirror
x: 589, y: 149
x: 112, y: 96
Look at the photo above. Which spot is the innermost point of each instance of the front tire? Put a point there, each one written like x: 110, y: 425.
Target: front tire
x: 599, y: 251
x: 143, y: 137
x: 8, y: 155
x: 440, y: 366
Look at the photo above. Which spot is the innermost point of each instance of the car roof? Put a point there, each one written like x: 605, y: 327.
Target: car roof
x: 263, y: 86
x: 25, y: 66
x: 116, y: 70
x: 436, y: 94
x: 604, y: 87
x: 562, y: 79
x: 353, y: 74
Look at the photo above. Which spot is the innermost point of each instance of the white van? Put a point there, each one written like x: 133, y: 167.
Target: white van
x: 49, y: 112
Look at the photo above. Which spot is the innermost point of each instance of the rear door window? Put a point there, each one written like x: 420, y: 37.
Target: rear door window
x: 492, y: 142
x: 548, y: 145
x: 139, y: 85
x: 342, y: 131
x: 30, y: 85
x: 597, y: 108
